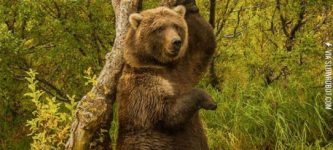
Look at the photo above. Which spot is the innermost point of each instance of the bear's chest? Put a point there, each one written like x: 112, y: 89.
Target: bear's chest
x: 149, y: 84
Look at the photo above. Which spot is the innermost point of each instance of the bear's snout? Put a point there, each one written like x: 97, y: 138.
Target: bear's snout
x: 176, y: 45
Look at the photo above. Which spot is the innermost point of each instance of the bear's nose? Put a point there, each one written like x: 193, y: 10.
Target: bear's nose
x: 176, y: 43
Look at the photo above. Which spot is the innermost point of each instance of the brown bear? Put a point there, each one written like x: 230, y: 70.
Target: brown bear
x: 158, y: 108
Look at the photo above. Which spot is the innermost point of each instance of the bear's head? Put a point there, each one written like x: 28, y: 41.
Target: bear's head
x: 156, y: 37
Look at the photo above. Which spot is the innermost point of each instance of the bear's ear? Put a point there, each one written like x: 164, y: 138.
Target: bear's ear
x: 181, y: 10
x: 134, y: 20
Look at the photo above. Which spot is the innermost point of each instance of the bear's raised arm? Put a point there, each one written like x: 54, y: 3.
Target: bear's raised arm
x: 201, y: 47
x: 181, y: 109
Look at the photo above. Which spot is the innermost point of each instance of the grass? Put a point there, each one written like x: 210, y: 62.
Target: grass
x: 271, y: 117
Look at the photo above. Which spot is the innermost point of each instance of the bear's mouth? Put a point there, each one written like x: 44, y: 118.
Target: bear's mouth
x: 172, y: 54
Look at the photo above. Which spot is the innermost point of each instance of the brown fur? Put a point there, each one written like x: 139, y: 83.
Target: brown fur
x: 158, y: 108
x: 147, y: 44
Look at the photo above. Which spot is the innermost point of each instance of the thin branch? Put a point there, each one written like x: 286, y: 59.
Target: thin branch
x: 289, y: 43
x: 212, y: 13
x: 238, y: 20
x: 54, y: 95
x: 214, y: 81
x: 300, y: 20
x: 284, y: 23
x: 23, y: 26
x: 58, y: 11
x: 59, y: 94
x: 233, y: 35
x: 226, y: 14
x: 272, y: 28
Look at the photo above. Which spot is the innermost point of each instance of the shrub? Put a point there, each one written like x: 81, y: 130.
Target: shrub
x: 51, y: 123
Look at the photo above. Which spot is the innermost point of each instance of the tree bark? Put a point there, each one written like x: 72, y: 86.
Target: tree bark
x: 94, y: 111
x: 213, y: 79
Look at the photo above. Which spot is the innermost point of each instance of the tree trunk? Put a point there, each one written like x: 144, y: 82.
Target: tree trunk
x: 213, y: 79
x: 94, y: 111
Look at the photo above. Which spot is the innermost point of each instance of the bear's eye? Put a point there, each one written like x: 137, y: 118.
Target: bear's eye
x: 159, y: 29
x: 178, y: 28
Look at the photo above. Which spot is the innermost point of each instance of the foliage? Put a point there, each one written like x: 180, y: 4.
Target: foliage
x: 55, y: 39
x: 271, y: 98
x: 254, y: 117
x: 91, y: 78
x: 51, y: 123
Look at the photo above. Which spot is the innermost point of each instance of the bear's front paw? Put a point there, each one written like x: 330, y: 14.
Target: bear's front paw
x: 208, y: 103
x: 205, y: 100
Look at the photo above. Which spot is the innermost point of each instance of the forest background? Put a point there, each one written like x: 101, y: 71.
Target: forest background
x: 267, y: 74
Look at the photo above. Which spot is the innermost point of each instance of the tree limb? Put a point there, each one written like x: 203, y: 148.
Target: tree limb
x: 213, y: 79
x: 289, y: 43
x: 282, y: 18
x: 95, y: 109
x: 59, y: 94
x: 212, y: 12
